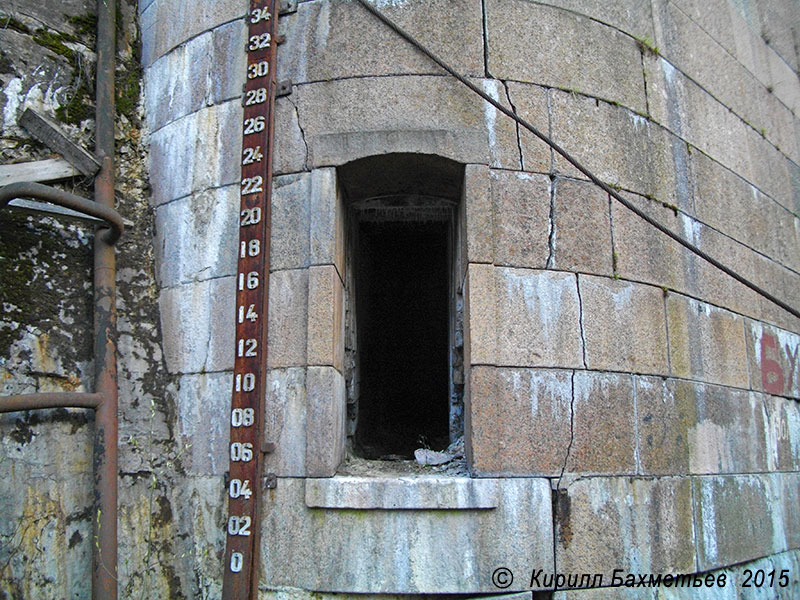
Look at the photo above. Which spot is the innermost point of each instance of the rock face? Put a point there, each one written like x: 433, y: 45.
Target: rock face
x: 623, y: 404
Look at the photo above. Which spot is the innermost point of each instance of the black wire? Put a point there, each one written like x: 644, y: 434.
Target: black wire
x: 604, y: 186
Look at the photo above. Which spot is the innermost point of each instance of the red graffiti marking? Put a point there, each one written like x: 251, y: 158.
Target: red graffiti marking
x: 772, y: 378
x: 771, y: 372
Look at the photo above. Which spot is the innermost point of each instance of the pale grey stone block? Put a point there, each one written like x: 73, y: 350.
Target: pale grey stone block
x: 325, y: 421
x: 204, y: 403
x: 285, y: 424
x: 288, y: 318
x: 394, y: 549
x: 350, y: 119
x: 403, y: 493
x: 589, y: 57
x: 290, y: 222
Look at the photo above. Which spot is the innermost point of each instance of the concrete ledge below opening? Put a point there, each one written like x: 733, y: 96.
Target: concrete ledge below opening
x: 404, y: 493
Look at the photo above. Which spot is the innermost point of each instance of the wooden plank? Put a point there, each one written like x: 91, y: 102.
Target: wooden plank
x: 39, y: 171
x: 47, y: 209
x: 49, y: 133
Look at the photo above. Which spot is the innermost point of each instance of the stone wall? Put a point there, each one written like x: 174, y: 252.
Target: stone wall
x: 627, y: 405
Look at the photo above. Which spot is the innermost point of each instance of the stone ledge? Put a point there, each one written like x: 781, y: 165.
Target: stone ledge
x: 404, y: 493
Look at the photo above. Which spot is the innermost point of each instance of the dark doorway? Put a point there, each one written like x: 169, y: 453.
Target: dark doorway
x: 402, y: 305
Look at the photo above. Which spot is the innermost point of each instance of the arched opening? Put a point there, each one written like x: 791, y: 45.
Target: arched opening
x: 402, y: 318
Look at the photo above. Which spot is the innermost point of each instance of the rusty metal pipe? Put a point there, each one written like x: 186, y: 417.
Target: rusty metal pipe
x: 104, y: 564
x: 67, y: 200
x: 50, y: 400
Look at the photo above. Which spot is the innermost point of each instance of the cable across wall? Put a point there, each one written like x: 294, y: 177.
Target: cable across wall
x: 574, y: 162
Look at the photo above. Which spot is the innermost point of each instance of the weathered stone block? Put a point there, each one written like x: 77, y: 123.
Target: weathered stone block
x: 173, y: 24
x: 325, y: 317
x: 349, y: 119
x: 734, y: 207
x: 521, y: 209
x: 623, y: 325
x: 531, y: 102
x: 519, y: 420
x: 734, y: 508
x: 603, y: 425
x: 325, y: 421
x: 635, y: 19
x: 196, y: 237
x: 627, y: 150
x: 706, y: 343
x: 479, y: 224
x: 327, y: 220
x: 645, y: 254
x: 288, y: 318
x: 197, y: 324
x: 582, y: 228
x: 665, y: 419
x: 290, y: 154
x: 783, y: 445
x: 285, y: 422
x: 638, y: 525
x: 391, y: 493
x: 395, y: 548
x: 196, y: 152
x: 590, y: 57
x: 525, y: 318
x: 290, y: 219
x: 774, y: 359
x: 320, y: 44
x: 204, y: 403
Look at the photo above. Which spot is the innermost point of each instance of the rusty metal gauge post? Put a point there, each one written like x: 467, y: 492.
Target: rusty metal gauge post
x: 252, y: 284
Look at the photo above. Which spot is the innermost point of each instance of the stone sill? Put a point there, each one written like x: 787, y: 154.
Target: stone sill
x: 402, y: 493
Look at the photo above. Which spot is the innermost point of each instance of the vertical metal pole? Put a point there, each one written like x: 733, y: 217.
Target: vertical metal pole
x: 104, y: 573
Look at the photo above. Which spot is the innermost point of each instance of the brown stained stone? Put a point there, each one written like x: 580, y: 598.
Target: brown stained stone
x: 519, y: 420
x: 288, y: 318
x: 582, y: 239
x: 603, y: 439
x: 706, y: 343
x: 325, y: 322
x: 480, y: 314
x: 521, y: 209
x: 478, y: 208
x: 325, y: 421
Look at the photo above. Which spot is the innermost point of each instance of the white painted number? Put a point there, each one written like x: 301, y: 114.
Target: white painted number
x: 237, y: 562
x: 251, y: 248
x: 239, y: 525
x: 259, y: 69
x: 243, y: 417
x: 252, y: 185
x: 255, y: 96
x: 259, y: 14
x: 259, y: 42
x: 241, y: 452
x: 247, y: 348
x: 239, y: 488
x: 254, y: 125
x: 251, y: 314
x: 251, y: 281
x: 245, y: 383
x: 250, y: 216
x: 251, y: 155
